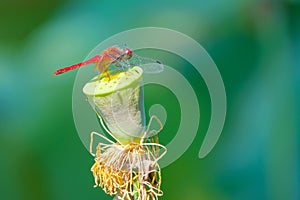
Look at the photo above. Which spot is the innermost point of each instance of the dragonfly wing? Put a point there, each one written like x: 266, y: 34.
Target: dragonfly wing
x: 152, y: 68
x: 149, y: 65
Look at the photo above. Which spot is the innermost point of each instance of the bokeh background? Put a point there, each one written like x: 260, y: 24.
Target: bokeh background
x: 255, y: 45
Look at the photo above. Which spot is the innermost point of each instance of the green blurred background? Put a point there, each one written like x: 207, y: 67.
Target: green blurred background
x: 255, y: 45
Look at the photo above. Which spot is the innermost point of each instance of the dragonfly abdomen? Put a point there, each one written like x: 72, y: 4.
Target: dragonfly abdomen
x: 94, y: 59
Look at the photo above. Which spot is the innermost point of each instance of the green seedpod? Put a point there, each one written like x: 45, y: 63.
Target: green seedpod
x: 118, y: 100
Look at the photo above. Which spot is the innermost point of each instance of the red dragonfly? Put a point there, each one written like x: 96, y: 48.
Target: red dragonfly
x: 120, y: 56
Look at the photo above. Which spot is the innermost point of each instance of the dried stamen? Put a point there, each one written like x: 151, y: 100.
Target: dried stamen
x: 129, y: 172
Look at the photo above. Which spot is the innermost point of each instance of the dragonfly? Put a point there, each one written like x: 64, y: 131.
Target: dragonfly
x: 120, y: 56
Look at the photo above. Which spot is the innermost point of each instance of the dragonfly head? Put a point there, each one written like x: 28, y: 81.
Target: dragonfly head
x: 128, y: 53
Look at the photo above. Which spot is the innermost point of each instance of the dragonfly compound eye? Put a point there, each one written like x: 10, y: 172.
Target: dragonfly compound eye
x: 128, y: 53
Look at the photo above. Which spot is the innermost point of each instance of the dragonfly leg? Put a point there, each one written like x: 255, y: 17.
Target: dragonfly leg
x: 107, y: 75
x: 104, y: 74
